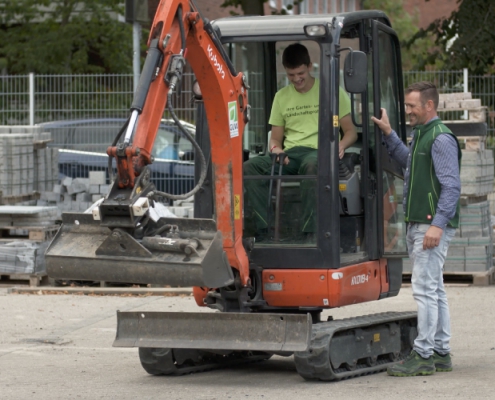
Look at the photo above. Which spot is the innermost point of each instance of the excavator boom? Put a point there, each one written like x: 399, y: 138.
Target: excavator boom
x: 178, y: 34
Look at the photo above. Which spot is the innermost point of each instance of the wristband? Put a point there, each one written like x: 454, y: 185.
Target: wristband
x: 271, y: 149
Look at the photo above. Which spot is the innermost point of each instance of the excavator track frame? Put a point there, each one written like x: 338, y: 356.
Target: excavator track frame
x: 176, y: 362
x: 339, y: 349
x: 317, y: 363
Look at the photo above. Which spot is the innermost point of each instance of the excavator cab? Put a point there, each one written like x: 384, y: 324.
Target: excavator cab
x: 357, y: 200
x: 270, y: 293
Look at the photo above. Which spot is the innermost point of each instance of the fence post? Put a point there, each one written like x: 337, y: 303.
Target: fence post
x: 31, y: 98
x: 136, y: 59
x: 466, y: 89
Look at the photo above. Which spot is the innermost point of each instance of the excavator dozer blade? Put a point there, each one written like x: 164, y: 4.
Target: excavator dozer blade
x: 214, y: 331
x: 83, y: 249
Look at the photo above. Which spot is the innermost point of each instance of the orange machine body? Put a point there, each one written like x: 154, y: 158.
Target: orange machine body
x: 329, y: 288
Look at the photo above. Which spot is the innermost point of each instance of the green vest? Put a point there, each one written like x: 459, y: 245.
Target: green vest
x: 424, y: 187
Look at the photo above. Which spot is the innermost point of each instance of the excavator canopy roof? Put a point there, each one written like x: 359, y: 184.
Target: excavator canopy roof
x: 284, y: 27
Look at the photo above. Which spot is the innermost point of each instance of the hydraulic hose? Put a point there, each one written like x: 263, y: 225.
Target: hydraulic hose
x: 199, y: 152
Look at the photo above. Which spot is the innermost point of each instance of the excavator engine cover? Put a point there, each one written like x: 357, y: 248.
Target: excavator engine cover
x: 192, y: 255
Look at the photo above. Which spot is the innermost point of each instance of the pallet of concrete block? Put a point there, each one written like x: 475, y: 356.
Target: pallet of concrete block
x: 33, y: 222
x: 16, y: 164
x: 477, y: 173
x: 470, y: 252
x: 28, y: 199
x: 26, y: 164
x: 463, y: 102
x: 23, y: 260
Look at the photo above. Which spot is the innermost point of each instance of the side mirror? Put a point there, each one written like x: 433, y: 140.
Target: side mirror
x: 356, y: 72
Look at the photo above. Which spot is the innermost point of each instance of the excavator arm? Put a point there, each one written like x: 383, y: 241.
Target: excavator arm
x: 178, y: 34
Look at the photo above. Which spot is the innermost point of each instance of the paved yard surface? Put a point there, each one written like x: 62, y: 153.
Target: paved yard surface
x: 59, y: 346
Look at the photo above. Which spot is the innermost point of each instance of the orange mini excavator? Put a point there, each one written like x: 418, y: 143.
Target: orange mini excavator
x: 269, y: 289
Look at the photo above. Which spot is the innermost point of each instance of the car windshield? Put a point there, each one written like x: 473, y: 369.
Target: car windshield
x: 96, y: 135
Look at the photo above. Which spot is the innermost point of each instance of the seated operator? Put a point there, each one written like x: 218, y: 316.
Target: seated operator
x: 294, y: 120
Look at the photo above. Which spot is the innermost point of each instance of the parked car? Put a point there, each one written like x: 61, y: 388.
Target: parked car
x: 83, y: 145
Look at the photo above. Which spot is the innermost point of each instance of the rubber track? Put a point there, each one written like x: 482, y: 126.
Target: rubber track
x: 315, y: 363
x: 168, y: 366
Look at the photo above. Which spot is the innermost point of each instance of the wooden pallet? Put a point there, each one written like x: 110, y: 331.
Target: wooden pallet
x: 12, y: 200
x: 481, y: 278
x: 34, y: 279
x: 37, y: 233
x: 472, y: 143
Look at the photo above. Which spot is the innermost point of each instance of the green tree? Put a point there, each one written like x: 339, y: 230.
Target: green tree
x: 465, y: 39
x: 406, y: 27
x: 64, y: 36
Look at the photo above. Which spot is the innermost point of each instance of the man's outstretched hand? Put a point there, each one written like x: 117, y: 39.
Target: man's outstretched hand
x: 383, y: 123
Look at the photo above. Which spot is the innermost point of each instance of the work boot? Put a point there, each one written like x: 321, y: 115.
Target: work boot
x: 443, y: 363
x: 413, y: 365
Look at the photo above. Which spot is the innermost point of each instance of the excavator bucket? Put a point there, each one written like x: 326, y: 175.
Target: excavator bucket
x: 214, y: 331
x: 83, y: 249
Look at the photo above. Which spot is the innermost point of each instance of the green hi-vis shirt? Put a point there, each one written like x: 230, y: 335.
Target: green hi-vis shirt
x: 298, y: 114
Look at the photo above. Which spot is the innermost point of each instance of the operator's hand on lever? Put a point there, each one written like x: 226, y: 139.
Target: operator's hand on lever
x: 341, y: 151
x: 383, y: 123
x: 276, y: 140
x: 279, y: 151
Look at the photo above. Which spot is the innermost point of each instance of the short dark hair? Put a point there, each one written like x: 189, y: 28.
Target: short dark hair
x: 295, y: 55
x: 427, y: 91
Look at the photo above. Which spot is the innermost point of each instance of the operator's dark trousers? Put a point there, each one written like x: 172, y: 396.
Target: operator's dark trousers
x: 302, y: 161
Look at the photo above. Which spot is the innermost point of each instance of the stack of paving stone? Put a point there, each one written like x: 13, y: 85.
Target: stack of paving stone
x: 16, y: 164
x: 183, y: 208
x: 26, y: 164
x: 25, y: 234
x: 79, y: 194
x: 75, y: 195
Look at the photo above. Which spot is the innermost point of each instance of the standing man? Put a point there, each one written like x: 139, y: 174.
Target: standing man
x: 432, y: 188
x: 294, y: 120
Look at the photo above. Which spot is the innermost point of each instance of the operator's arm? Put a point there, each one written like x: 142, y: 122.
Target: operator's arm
x: 276, y: 140
x: 349, y: 136
x: 395, y: 147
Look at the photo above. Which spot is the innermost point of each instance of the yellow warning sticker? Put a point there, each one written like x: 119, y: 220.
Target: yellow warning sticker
x: 237, y: 206
x: 335, y: 120
x: 342, y: 187
x: 376, y: 337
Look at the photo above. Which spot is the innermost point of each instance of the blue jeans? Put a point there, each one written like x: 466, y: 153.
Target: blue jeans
x: 428, y: 290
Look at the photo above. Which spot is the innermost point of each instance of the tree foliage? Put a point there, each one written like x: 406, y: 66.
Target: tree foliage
x: 64, y: 36
x: 465, y: 39
x: 406, y: 26
x: 255, y: 7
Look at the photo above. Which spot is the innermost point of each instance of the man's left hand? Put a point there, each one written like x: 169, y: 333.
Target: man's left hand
x: 432, y: 237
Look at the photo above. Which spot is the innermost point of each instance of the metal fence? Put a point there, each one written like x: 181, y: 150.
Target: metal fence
x: 34, y: 99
